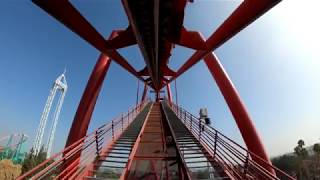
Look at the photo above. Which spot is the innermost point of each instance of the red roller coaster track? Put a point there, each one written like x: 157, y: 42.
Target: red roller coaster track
x: 156, y: 26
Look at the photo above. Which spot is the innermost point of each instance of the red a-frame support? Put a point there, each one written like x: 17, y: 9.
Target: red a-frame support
x: 247, y: 12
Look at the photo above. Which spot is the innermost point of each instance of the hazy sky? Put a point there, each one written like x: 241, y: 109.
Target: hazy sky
x: 274, y: 63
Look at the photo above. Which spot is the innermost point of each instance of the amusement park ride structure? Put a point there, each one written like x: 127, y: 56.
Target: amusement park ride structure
x: 60, y: 85
x: 12, y: 147
x: 158, y: 140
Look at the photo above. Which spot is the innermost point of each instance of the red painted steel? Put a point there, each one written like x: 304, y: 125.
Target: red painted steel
x: 246, y: 13
x: 138, y: 89
x: 169, y: 93
x: 144, y: 93
x: 133, y: 25
x: 90, y: 147
x: 134, y: 149
x: 237, y: 108
x: 118, y: 126
x: 83, y: 115
x: 192, y: 39
x: 87, y: 103
x: 72, y: 18
x: 151, y: 155
x: 237, y: 161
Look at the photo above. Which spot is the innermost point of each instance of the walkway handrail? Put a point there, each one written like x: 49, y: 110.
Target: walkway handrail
x: 236, y: 160
x: 89, y: 146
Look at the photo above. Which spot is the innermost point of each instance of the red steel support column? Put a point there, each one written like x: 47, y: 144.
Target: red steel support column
x: 144, y: 94
x: 83, y: 115
x: 246, y: 13
x: 176, y: 91
x: 238, y: 109
x: 138, y: 89
x: 157, y: 96
x: 68, y: 15
x: 169, y: 93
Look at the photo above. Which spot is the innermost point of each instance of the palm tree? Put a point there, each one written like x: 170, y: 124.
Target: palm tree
x: 302, y: 154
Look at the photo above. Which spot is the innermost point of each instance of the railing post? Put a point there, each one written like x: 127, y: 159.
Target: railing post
x: 122, y: 122
x: 112, y: 128
x: 185, y: 117
x: 178, y: 113
x: 200, y: 130
x: 246, y: 165
x: 128, y: 116
x: 97, y: 142
x: 177, y: 110
x: 215, y: 143
x: 190, y: 123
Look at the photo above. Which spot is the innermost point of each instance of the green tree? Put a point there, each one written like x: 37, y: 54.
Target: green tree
x: 302, y: 154
x: 287, y: 163
x: 33, y: 160
x: 300, y: 150
x: 316, y: 149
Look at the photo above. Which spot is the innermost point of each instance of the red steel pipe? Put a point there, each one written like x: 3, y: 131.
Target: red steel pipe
x: 85, y: 109
x: 144, y: 93
x: 238, y: 110
x: 138, y: 89
x: 176, y: 92
x: 246, y: 13
x: 169, y: 93
x: 68, y: 15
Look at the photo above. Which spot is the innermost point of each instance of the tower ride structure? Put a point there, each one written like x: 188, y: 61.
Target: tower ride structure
x: 59, y: 87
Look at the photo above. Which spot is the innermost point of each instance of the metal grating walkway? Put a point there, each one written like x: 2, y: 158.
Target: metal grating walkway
x: 153, y: 158
x: 198, y: 161
x: 157, y: 145
x: 110, y: 166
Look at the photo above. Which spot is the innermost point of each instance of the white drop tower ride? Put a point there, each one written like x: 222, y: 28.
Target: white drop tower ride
x: 60, y: 85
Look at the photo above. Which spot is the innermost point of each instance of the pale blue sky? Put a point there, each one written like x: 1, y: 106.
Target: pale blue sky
x: 274, y: 63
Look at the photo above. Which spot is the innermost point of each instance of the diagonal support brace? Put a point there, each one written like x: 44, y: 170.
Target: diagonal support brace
x: 238, y: 110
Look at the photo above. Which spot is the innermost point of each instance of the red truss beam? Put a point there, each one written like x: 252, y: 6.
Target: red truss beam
x: 238, y: 110
x: 246, y: 13
x: 64, y: 12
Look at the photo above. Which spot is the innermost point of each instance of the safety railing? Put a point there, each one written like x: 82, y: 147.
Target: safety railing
x: 75, y: 159
x: 236, y: 160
